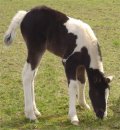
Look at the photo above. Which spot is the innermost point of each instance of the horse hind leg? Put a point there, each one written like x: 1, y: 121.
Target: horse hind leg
x: 36, y: 111
x: 27, y: 78
x: 29, y: 72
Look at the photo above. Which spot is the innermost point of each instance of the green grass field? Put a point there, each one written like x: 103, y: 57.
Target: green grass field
x: 51, y: 84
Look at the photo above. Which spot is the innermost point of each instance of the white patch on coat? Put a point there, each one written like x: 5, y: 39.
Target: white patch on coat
x: 72, y: 101
x: 106, y: 99
x: 85, y: 38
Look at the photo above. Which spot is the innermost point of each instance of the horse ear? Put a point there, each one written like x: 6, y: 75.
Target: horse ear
x: 109, y: 79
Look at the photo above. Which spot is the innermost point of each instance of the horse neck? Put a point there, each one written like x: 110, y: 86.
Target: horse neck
x: 95, y: 69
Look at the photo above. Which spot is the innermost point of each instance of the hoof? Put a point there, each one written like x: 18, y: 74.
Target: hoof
x: 31, y: 116
x: 74, y: 120
x: 85, y: 106
x: 75, y: 123
x: 37, y: 113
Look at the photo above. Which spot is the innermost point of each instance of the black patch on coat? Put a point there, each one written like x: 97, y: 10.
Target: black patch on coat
x: 43, y: 28
x: 78, y: 58
x: 99, y: 51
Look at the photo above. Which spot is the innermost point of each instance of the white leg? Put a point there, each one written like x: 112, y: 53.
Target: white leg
x: 28, y: 75
x: 72, y: 102
x: 81, y: 95
x: 37, y: 113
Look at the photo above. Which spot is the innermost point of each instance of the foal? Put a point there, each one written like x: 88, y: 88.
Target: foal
x: 72, y: 40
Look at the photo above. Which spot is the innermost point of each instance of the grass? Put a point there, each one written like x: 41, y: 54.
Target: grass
x: 51, y: 84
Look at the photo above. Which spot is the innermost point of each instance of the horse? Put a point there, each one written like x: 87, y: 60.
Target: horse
x: 73, y: 40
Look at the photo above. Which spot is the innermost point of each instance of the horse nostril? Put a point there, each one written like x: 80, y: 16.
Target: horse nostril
x: 100, y: 114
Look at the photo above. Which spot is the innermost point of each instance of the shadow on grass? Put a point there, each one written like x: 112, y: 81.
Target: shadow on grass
x: 43, y: 122
x: 57, y: 121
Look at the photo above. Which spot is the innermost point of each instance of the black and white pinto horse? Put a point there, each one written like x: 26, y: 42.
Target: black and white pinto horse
x: 74, y: 41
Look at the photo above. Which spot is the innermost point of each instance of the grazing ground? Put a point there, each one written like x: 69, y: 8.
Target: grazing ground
x: 51, y: 84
